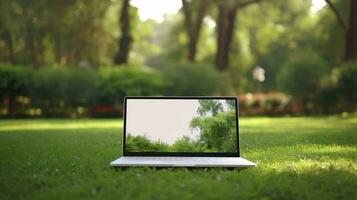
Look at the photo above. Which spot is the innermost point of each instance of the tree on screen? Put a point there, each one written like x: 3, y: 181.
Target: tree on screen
x: 209, y: 106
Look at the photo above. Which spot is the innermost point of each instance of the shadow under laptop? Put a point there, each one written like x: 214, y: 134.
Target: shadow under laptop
x: 191, y: 169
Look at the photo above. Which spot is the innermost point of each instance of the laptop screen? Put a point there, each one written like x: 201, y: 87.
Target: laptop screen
x: 202, y: 125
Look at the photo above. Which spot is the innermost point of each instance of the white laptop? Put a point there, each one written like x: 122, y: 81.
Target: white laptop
x: 181, y: 132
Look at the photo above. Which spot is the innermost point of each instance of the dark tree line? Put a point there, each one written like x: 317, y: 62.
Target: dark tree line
x: 194, y: 13
x: 225, y: 20
x: 70, y: 33
x: 35, y: 33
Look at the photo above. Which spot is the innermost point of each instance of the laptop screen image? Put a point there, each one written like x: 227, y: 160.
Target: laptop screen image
x: 168, y: 125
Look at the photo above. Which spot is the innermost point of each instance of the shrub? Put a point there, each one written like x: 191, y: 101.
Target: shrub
x: 80, y: 87
x: 60, y: 92
x: 271, y: 103
x: 14, y: 81
x: 347, y: 85
x: 192, y: 80
x: 141, y: 143
x: 339, y: 91
x: 14, y: 87
x: 116, y: 83
x: 48, y: 90
x: 67, y: 92
x: 301, y: 76
x: 185, y: 144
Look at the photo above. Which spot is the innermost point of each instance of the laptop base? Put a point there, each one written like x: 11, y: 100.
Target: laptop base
x: 162, y: 161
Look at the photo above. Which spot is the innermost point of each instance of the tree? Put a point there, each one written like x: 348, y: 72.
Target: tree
x: 226, y: 20
x: 217, y: 132
x: 272, y: 34
x: 351, y: 38
x: 56, y: 31
x: 193, y: 24
x: 351, y: 29
x: 126, y: 38
x: 209, y: 106
x: 231, y: 104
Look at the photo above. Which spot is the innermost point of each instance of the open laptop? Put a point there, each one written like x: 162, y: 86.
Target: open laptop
x: 181, y: 132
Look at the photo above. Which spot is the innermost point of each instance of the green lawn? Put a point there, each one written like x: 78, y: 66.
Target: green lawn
x: 298, y: 158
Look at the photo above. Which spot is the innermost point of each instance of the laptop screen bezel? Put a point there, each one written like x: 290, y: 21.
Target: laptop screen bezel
x: 183, y: 154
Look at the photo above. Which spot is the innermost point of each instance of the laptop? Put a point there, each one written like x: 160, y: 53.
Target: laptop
x: 181, y: 132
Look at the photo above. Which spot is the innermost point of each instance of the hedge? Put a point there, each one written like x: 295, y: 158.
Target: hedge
x: 76, y: 92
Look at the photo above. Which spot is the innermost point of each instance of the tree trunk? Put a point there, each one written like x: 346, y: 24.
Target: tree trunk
x: 225, y: 29
x: 193, y: 27
x: 126, y: 37
x: 351, y: 37
x: 337, y: 14
x: 221, y: 21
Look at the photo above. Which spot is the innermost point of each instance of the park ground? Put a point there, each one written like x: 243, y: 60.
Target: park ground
x: 298, y: 158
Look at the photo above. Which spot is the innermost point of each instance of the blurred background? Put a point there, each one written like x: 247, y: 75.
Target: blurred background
x: 79, y: 58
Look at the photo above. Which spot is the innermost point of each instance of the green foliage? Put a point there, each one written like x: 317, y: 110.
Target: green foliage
x: 80, y: 87
x: 143, y: 144
x: 57, y: 91
x: 144, y: 49
x: 14, y: 89
x: 302, y: 74
x: 338, y: 92
x: 185, y: 144
x: 268, y: 32
x: 62, y: 91
x: 195, y: 80
x: 84, y: 33
x: 14, y: 81
x: 329, y: 34
x: 347, y: 82
x: 217, y: 132
x: 48, y: 88
x: 115, y: 83
x: 140, y: 143
x: 209, y: 106
x: 274, y: 103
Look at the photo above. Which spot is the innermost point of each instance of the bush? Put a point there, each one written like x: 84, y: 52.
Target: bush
x: 72, y: 92
x: 301, y: 77
x: 14, y: 82
x: 80, y: 87
x: 192, y: 80
x: 113, y: 84
x: 116, y: 83
x: 62, y: 92
x: 347, y: 84
x: 339, y: 92
x: 185, y: 144
x: 48, y: 87
x: 142, y: 143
